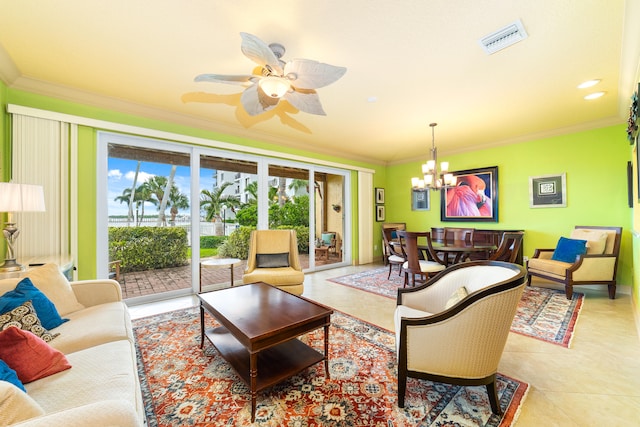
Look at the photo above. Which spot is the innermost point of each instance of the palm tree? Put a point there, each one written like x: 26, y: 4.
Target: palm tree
x: 297, y: 184
x: 213, y: 200
x: 162, y: 219
x: 177, y: 200
x: 126, y: 198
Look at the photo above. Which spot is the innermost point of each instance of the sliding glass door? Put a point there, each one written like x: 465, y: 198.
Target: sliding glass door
x: 164, y: 207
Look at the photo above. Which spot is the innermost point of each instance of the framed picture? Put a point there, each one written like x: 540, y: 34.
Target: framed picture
x: 474, y: 198
x: 630, y: 184
x: 379, y: 213
x: 548, y: 191
x: 420, y: 200
x: 379, y: 196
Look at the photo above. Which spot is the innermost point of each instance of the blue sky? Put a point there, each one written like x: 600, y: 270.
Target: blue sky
x: 121, y: 173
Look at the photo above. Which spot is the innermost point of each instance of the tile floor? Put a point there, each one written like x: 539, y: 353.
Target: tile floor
x: 594, y: 383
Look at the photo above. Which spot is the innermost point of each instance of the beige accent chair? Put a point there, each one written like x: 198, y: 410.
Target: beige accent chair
x: 597, y: 267
x: 453, y: 329
x: 273, y: 259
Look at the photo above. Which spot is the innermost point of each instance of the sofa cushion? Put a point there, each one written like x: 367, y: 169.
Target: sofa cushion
x: 568, y: 249
x: 50, y: 280
x: 596, y: 239
x: 9, y: 375
x: 26, y: 318
x: 30, y: 356
x: 100, y: 373
x: 26, y: 291
x: 92, y: 326
x: 275, y: 276
x: 549, y: 267
x: 272, y: 260
x: 16, y: 405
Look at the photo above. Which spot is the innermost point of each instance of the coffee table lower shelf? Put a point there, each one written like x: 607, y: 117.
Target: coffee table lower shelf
x: 275, y: 363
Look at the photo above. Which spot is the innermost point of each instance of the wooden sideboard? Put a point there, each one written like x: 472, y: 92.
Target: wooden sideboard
x: 481, y: 236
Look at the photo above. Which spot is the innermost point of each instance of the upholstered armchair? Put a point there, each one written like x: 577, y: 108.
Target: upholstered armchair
x: 273, y: 259
x: 453, y: 329
x: 588, y: 257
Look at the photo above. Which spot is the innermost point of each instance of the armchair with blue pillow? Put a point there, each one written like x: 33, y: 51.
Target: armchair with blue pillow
x: 588, y: 257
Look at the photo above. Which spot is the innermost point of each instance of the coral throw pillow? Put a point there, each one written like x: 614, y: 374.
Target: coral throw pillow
x: 30, y: 356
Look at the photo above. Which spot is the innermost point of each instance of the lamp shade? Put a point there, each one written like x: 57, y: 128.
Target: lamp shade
x: 21, y: 197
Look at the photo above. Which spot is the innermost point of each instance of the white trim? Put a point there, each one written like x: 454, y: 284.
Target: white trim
x: 119, y: 127
x: 73, y: 197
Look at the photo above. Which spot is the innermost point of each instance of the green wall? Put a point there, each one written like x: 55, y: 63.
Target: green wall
x: 87, y: 150
x: 595, y: 162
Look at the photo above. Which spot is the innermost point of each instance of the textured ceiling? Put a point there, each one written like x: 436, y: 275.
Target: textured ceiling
x: 420, y: 60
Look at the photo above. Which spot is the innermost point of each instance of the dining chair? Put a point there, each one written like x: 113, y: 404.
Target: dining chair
x: 414, y: 265
x: 393, y: 250
x: 458, y: 235
x: 509, y: 247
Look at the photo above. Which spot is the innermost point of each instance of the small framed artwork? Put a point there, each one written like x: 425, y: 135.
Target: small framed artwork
x: 379, y: 213
x: 548, y: 191
x: 379, y: 196
x: 474, y: 198
x: 420, y: 200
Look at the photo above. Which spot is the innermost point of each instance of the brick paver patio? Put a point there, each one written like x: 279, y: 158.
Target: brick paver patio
x: 141, y: 283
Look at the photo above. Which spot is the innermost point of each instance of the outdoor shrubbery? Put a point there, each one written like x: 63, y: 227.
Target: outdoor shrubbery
x: 211, y: 242
x: 148, y: 248
x: 237, y: 245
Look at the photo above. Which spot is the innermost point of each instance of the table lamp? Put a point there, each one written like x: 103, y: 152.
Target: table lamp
x: 17, y: 198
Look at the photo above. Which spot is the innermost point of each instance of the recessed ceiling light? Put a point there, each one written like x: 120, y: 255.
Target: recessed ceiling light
x: 594, y: 95
x: 588, y: 83
x: 372, y: 99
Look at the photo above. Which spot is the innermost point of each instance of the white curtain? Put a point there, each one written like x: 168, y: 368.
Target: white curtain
x: 40, y: 155
x: 365, y: 218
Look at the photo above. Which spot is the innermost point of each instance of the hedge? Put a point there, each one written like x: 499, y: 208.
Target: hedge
x: 148, y: 248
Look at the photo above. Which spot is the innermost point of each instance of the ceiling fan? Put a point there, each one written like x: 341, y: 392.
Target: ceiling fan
x: 295, y: 81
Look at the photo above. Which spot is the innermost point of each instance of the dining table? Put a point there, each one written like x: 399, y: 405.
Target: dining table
x: 459, y: 249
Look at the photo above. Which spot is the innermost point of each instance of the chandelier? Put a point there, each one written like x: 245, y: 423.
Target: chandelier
x: 432, y: 179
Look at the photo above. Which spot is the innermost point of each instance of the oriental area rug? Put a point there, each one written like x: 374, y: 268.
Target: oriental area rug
x: 544, y: 314
x: 184, y: 385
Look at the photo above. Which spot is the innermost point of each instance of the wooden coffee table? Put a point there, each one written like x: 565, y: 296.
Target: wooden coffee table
x: 258, y: 334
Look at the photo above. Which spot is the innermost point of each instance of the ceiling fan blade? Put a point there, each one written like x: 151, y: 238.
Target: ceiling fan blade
x: 260, y: 53
x: 308, y: 74
x: 228, y: 79
x: 255, y: 101
x: 307, y: 101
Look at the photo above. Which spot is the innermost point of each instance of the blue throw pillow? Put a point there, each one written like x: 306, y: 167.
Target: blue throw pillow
x: 9, y: 375
x: 568, y: 249
x: 26, y: 291
x: 326, y: 238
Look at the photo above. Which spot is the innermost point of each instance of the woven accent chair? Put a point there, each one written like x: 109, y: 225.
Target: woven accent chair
x: 453, y: 329
x: 597, y: 267
x: 393, y: 253
x: 423, y: 266
x: 273, y: 259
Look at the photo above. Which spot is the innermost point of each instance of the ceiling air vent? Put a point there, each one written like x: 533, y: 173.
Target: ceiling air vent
x: 504, y: 37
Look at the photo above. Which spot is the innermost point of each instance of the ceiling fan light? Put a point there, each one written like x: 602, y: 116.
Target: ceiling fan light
x: 274, y: 87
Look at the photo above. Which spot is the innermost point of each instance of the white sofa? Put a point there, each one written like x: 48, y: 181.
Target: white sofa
x: 102, y: 387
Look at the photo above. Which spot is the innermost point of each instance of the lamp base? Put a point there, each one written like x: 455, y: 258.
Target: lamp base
x: 10, y: 265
